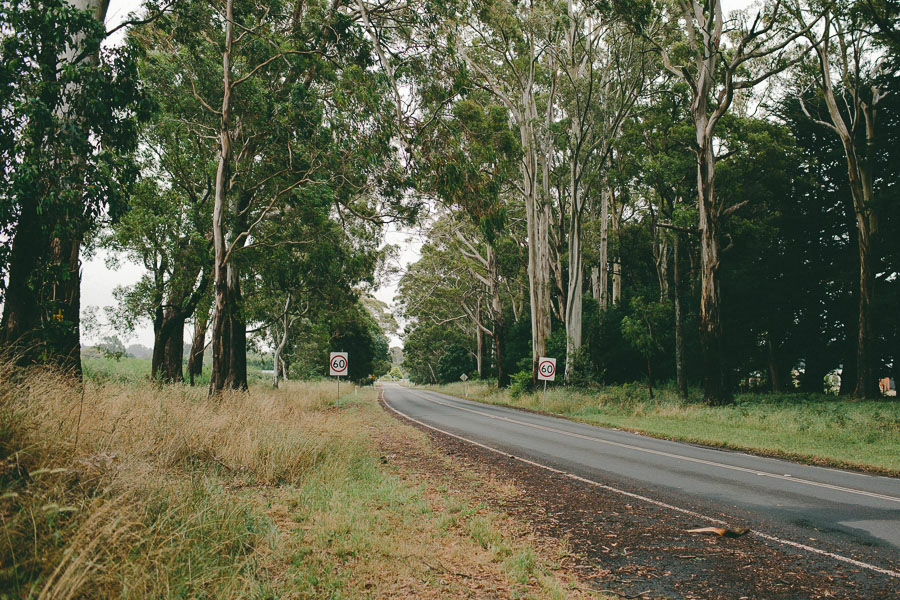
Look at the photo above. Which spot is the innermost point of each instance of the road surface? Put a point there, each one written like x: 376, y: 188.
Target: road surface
x: 842, y: 516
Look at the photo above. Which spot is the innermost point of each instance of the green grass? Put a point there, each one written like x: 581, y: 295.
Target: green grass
x: 268, y: 494
x: 134, y: 370
x: 122, y: 370
x: 813, y: 428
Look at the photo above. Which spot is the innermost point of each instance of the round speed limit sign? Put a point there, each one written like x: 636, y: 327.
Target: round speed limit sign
x: 339, y: 364
x: 547, y: 369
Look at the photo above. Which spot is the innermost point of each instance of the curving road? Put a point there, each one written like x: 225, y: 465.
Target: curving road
x: 843, y: 516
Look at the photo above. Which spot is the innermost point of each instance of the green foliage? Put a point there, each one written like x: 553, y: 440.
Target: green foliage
x: 641, y: 327
x: 521, y: 383
x: 69, y: 112
x: 583, y: 375
x: 455, y: 362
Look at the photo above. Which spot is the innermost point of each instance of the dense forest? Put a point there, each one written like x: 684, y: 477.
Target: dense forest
x: 647, y: 190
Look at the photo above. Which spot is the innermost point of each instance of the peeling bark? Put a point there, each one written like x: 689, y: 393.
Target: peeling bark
x: 198, y: 344
x: 229, y: 336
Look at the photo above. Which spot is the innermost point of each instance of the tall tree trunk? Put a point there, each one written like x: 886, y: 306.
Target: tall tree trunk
x: 680, y: 371
x: 617, y: 282
x: 538, y: 243
x: 604, y: 249
x: 63, y: 335
x: 479, y: 338
x: 285, y: 323
x: 861, y: 178
x: 716, y: 390
x: 198, y: 344
x: 229, y: 342
x: 64, y: 347
x: 497, y: 316
x: 575, y: 289
x: 168, y: 345
x: 661, y: 261
x: 21, y: 308
x: 595, y: 283
x: 174, y: 360
x: 618, y: 208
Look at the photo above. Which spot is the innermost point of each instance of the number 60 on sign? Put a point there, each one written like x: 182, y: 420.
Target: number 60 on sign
x: 546, y: 369
x: 338, y: 364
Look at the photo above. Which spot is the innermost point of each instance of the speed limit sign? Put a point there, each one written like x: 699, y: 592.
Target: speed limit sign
x: 339, y: 364
x: 546, y: 369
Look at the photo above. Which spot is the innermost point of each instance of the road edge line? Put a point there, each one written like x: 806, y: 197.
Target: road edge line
x: 573, y: 476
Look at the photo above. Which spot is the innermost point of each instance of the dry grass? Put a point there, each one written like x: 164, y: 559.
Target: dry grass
x: 144, y: 505
x: 143, y: 491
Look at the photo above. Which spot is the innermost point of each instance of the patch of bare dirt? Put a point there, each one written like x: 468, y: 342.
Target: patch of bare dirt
x: 628, y: 548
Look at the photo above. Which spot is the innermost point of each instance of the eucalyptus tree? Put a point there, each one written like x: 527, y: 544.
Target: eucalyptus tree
x: 451, y: 284
x: 68, y: 113
x: 604, y: 67
x: 849, y: 78
x: 324, y: 269
x: 166, y: 232
x: 718, y: 59
x: 507, y: 49
x: 296, y: 115
x: 469, y: 163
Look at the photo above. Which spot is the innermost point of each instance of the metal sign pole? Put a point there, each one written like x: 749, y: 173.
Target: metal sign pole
x: 544, y: 403
x: 339, y: 388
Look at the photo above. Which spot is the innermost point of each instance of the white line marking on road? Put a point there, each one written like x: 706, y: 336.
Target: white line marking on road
x: 666, y: 454
x: 765, y: 536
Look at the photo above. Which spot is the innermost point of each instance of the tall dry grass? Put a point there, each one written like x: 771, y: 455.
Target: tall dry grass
x: 123, y: 490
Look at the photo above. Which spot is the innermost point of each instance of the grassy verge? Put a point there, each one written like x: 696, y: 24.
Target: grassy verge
x: 811, y: 428
x: 143, y: 491
x: 137, y: 370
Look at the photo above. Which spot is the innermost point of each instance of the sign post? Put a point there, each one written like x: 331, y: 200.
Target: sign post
x: 464, y: 377
x: 338, y: 365
x: 546, y: 372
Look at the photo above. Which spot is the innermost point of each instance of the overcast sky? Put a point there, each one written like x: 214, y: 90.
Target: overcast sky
x: 98, y: 281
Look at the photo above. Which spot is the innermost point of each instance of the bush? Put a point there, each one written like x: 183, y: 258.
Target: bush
x: 520, y: 384
x: 582, y: 368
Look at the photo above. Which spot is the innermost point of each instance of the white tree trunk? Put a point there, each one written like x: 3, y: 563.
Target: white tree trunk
x: 617, y: 282
x: 604, y: 249
x: 479, y: 338
x: 284, y: 338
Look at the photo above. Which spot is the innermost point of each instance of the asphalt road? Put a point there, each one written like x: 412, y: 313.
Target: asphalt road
x: 848, y: 517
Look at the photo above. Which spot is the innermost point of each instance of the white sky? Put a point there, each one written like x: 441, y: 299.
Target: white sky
x: 98, y: 281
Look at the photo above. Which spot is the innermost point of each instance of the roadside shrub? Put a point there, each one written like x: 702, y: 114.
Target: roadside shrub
x: 582, y: 369
x: 520, y: 384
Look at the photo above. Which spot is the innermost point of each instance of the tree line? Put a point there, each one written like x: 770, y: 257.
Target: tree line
x: 642, y: 188
x: 721, y: 184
